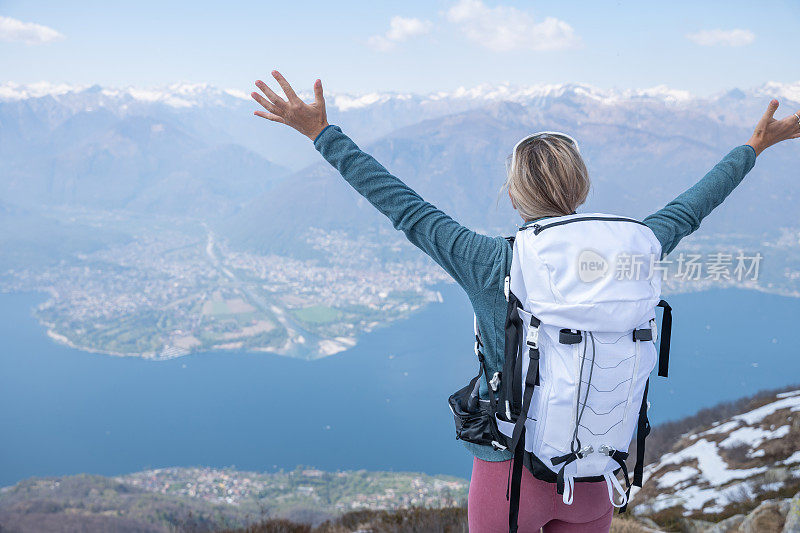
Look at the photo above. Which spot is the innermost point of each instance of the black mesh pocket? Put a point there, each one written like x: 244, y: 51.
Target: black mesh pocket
x: 473, y: 420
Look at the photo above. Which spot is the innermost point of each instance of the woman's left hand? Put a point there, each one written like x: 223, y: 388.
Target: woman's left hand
x: 771, y: 131
x: 308, y: 119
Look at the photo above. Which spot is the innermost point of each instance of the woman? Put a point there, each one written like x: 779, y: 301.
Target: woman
x: 547, y: 178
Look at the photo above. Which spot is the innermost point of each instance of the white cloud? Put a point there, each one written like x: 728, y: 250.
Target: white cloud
x: 505, y: 28
x: 13, y: 30
x: 400, y: 29
x: 722, y: 37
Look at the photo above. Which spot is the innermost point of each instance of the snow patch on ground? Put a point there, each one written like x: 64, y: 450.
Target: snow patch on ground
x: 794, y: 458
x: 757, y: 415
x: 753, y: 437
x: 725, y: 427
x: 712, y: 466
x: 695, y: 498
x: 672, y: 478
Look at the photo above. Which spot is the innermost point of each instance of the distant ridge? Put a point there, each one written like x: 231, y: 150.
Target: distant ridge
x: 196, y: 149
x: 640, y: 156
x: 206, y: 499
x: 197, y: 94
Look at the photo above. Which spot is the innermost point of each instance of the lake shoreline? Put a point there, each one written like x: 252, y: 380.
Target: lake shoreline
x: 77, y: 412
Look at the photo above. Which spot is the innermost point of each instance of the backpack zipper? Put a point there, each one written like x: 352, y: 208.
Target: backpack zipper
x: 538, y: 228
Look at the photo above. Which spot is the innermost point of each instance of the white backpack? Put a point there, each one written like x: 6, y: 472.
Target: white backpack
x: 580, y: 347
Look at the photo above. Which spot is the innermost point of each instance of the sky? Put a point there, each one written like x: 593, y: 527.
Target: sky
x: 403, y: 46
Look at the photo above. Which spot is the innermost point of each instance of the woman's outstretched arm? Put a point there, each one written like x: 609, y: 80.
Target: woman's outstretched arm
x: 683, y: 215
x: 467, y: 256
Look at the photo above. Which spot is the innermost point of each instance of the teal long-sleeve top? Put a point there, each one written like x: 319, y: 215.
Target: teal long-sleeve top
x: 480, y: 263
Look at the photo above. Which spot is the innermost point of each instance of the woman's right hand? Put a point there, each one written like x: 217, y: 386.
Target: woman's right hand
x: 771, y: 131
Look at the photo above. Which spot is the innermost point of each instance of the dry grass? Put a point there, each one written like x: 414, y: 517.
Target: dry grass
x: 418, y: 520
x: 628, y: 526
x: 448, y: 520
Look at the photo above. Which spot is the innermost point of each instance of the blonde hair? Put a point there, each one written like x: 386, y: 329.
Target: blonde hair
x: 547, y: 177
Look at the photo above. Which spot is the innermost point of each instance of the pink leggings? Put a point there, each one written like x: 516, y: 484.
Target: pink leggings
x: 540, y: 506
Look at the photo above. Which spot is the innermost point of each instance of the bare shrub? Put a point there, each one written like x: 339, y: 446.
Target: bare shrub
x: 736, y: 454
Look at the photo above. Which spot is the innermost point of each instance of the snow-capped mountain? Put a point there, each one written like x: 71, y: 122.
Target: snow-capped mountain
x: 371, y: 115
x: 729, y: 467
x: 639, y: 158
x: 196, y: 149
x: 203, y: 94
x: 176, y: 95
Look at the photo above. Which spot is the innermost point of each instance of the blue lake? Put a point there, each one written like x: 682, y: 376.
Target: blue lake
x: 381, y: 405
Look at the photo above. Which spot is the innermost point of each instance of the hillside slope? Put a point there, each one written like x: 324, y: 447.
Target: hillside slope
x: 141, y: 163
x: 206, y: 499
x: 726, y: 469
x: 457, y: 163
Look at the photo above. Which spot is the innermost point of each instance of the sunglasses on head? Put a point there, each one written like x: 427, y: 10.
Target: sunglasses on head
x: 543, y: 135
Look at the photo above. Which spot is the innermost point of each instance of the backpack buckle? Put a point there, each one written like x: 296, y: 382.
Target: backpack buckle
x: 532, y: 339
x: 497, y: 446
x: 605, y: 449
x: 586, y: 450
x: 569, y: 336
x: 494, y: 383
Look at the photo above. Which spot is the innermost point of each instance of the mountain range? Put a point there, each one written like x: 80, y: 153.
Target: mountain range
x: 195, y: 150
x: 640, y: 156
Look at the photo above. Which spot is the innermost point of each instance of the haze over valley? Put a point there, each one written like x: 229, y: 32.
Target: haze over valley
x: 167, y: 221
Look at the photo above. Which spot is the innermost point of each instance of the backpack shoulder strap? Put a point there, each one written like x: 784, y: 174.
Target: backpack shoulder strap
x: 642, y: 431
x: 517, y: 443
